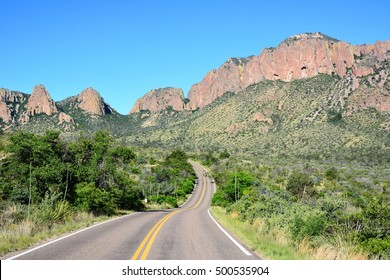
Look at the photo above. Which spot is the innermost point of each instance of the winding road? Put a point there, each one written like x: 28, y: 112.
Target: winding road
x: 185, y: 233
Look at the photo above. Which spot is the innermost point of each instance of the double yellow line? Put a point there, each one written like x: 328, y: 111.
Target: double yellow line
x: 149, y: 239
x: 151, y: 236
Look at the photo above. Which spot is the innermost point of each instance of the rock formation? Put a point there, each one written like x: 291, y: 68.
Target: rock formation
x: 5, y: 112
x: 10, y: 104
x: 229, y: 77
x: 90, y: 101
x: 299, y: 56
x: 160, y: 99
x: 64, y: 118
x: 307, y: 55
x: 41, y: 102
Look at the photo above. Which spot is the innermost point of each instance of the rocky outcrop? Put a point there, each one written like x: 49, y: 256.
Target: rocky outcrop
x: 5, y: 112
x: 41, y: 102
x: 259, y: 117
x: 230, y: 76
x: 90, y: 101
x: 307, y: 55
x: 10, y: 104
x: 160, y: 99
x: 64, y: 118
x: 300, y: 56
x: 7, y: 95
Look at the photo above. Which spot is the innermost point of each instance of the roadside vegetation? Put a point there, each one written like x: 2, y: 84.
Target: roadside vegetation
x: 313, y: 210
x: 49, y: 185
x: 282, y: 207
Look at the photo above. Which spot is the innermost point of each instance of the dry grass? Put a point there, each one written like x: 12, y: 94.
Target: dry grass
x: 275, y: 244
x: 270, y: 245
x: 157, y: 206
x: 20, y: 233
x: 340, y: 250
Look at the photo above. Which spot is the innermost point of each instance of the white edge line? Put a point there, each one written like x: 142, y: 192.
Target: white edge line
x: 245, y: 251
x: 242, y: 248
x: 69, y: 235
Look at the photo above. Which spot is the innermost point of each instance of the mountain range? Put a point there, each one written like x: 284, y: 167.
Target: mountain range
x: 310, y: 89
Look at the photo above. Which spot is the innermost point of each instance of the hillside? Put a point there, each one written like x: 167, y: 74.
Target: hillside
x: 317, y: 117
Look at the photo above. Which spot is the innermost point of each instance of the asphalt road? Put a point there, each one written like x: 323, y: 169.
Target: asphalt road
x: 184, y: 233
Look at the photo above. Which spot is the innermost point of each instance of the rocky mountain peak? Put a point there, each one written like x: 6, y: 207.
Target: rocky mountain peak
x: 299, y: 56
x: 160, y: 99
x: 7, y: 95
x: 10, y: 104
x: 90, y: 101
x: 41, y: 102
x: 294, y: 39
x: 237, y: 61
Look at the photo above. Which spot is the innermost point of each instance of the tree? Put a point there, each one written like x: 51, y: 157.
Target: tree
x: 238, y: 183
x: 225, y: 154
x: 331, y: 174
x: 33, y: 160
x: 300, y: 184
x: 87, y: 172
x: 335, y: 117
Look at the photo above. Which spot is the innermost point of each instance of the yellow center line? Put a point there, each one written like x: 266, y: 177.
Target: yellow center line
x: 141, y: 246
x: 150, y: 243
x: 202, y: 195
x: 149, y: 239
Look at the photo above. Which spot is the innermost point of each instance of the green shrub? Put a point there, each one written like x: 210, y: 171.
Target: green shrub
x: 378, y: 247
x: 91, y: 198
x: 331, y: 174
x: 223, y: 155
x: 125, y: 154
x: 300, y: 184
x: 376, y: 219
x: 187, y: 185
x: 51, y: 210
x: 310, y: 225
x: 219, y: 199
x: 130, y: 198
x: 167, y: 199
x: 334, y: 117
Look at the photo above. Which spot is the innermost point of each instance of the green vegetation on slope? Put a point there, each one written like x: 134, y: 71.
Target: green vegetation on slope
x: 308, y: 119
x: 324, y: 210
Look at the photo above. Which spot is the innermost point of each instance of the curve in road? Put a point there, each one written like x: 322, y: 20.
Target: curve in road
x: 186, y: 233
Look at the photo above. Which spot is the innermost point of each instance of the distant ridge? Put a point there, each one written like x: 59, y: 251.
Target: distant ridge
x: 298, y: 57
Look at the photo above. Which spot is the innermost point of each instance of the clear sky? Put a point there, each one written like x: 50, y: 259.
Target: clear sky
x: 125, y: 48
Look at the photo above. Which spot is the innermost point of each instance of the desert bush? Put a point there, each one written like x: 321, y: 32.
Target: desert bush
x: 300, y: 184
x: 94, y: 199
x: 307, y: 226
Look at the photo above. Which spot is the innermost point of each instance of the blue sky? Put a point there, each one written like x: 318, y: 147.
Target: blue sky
x: 123, y: 48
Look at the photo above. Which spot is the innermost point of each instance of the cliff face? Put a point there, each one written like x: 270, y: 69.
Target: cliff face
x: 307, y: 55
x: 5, y: 112
x: 10, y: 104
x: 300, y: 56
x: 160, y: 99
x: 90, y: 101
x: 231, y: 76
